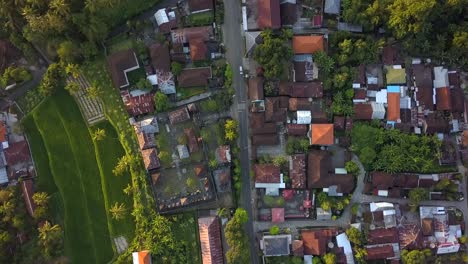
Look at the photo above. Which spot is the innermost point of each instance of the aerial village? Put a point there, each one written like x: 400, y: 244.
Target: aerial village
x: 265, y: 138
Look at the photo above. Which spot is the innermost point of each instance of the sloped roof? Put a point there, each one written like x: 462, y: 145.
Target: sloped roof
x: 393, y: 108
x: 184, y: 35
x: 256, y: 88
x: 119, y: 63
x: 145, y: 140
x: 423, y: 78
x: 267, y: 173
x: 288, y: 13
x: 332, y: 7
x: 198, y: 49
x: 303, y: 71
x: 307, y: 44
x: 296, y: 104
x: 315, y: 241
x: 160, y: 57
x: 268, y: 14
x: 363, y: 111
x: 443, y: 99
x: 297, y: 130
x: 273, y: 111
x: 192, y: 139
x: 178, y: 116
x: 17, y: 152
x: 150, y: 158
x: 458, y: 100
x: 141, y: 257
x: 383, y: 236
x: 210, y: 240
x: 301, y: 89
x: 139, y: 103
x: 200, y: 5
x: 381, y: 252
x: 193, y: 77
x: 322, y: 134
x: 297, y: 171
x: 298, y: 248
x: 277, y: 215
x: 389, y: 55
x: 265, y: 140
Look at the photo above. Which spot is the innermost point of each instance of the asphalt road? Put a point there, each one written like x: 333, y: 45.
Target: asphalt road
x: 233, y: 40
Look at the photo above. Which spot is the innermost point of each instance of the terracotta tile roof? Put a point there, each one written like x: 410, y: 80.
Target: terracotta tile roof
x: 265, y: 140
x: 322, y: 134
x: 198, y: 49
x: 307, y: 44
x: 256, y: 88
x: 178, y: 116
x: 145, y: 140
x: 301, y: 90
x: 443, y: 101
x: 266, y: 173
x: 423, y: 78
x: 298, y: 248
x: 393, y: 108
x: 150, y: 159
x: 288, y: 13
x: 223, y: 154
x: 183, y: 35
x: 458, y: 100
x: 268, y: 14
x: 191, y: 139
x: 315, y: 241
x: 210, y: 240
x: 194, y: 77
x: 383, y: 236
x: 118, y: 63
x: 28, y: 192
x: 200, y: 5
x: 160, y: 57
x: 297, y: 171
x: 382, y: 252
x: 299, y: 104
x: 360, y: 94
x: 339, y: 122
x: 17, y: 152
x: 141, y: 257
x: 273, y: 111
x: 297, y: 130
x: 138, y: 105
x: 277, y: 215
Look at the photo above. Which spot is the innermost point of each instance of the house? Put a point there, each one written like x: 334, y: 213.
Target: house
x: 28, y: 192
x: 138, y: 102
x: 145, y: 140
x: 142, y: 257
x: 268, y: 14
x: 183, y: 151
x: 301, y: 90
x: 297, y: 130
x: 307, y: 44
x: 268, y: 176
x: 297, y: 171
x: 278, y: 245
x: 288, y: 13
x: 17, y: 153
x: 210, y: 240
x: 179, y: 116
x: 223, y: 154
x: 332, y: 7
x: 121, y: 63
x: 265, y: 140
x: 150, y: 159
x: 322, y: 134
x: 148, y: 125
x: 191, y: 139
x: 296, y: 104
x: 184, y: 35
x: 393, y: 103
x: 166, y: 20
x: 3, y: 174
x: 443, y: 99
x: 380, y: 252
x: 383, y: 236
x: 276, y: 109
x: 316, y: 241
x: 342, y: 241
x: 3, y: 135
x: 320, y: 177
x: 438, y: 230
x: 298, y: 248
x: 222, y: 179
x: 194, y: 77
x: 303, y: 117
x: 160, y: 57
x: 424, y: 94
x: 256, y: 88
x: 441, y: 78
x: 303, y: 70
x: 200, y: 6
x: 198, y: 49
x: 434, y: 123
x: 389, y: 55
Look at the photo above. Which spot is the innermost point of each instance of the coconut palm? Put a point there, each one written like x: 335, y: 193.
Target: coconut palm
x: 118, y: 211
x: 41, y: 198
x: 99, y: 134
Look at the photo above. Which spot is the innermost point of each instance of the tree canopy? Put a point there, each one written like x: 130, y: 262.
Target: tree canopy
x: 236, y: 238
x: 272, y: 54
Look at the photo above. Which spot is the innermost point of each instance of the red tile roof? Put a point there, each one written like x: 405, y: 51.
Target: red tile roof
x: 150, y: 159
x: 210, y: 240
x: 298, y: 248
x: 383, y: 236
x: 17, y: 152
x: 307, y: 44
x: 192, y: 139
x: 256, y: 88
x: 160, y: 57
x: 178, y: 116
x: 268, y: 14
x: 297, y: 171
x: 200, y: 5
x: 266, y: 173
x: 118, y: 63
x: 443, y: 100
x: 301, y: 90
x: 382, y: 252
x: 138, y: 105
x: 277, y: 215
x: 322, y: 134
x: 145, y: 140
x: 28, y: 192
x: 143, y: 257
x: 198, y: 49
x: 315, y: 241
x: 393, y: 108
x: 297, y: 130
x: 183, y: 35
x: 360, y: 94
x: 194, y: 77
x: 381, y: 180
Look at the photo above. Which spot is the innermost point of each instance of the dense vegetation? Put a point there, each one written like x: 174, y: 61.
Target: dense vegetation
x: 393, y: 151
x: 273, y: 53
x: 432, y: 28
x: 236, y: 238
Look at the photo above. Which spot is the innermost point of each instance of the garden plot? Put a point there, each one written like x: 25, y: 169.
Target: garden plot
x: 92, y: 108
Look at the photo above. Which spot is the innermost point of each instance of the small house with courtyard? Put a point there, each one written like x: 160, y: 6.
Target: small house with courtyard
x: 121, y: 63
x: 269, y: 177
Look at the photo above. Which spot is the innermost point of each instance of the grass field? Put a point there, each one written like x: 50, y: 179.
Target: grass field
x: 67, y: 167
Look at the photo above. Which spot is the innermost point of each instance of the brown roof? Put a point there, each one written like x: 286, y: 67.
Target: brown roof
x: 145, y: 140
x: 423, y: 78
x: 268, y: 14
x: 267, y: 173
x: 322, y: 134
x: 118, y: 63
x: 265, y: 140
x: 382, y: 180
x: 339, y: 122
x: 318, y: 175
x: 200, y: 5
x: 315, y: 241
x: 273, y: 111
x: 222, y: 153
x: 427, y: 226
x: 178, y: 116
x: 256, y: 88
x: 210, y: 240
x: 160, y: 57
x: 28, y: 192
x: 198, y: 49
x: 194, y: 77
x: 303, y: 71
x: 443, y: 101
x: 319, y: 115
x: 288, y: 13
x: 307, y: 44
x: 389, y: 55
x: 192, y: 139
x: 393, y: 106
x: 382, y: 252
x: 454, y: 78
x: 436, y: 124
x: 17, y: 152
x: 299, y: 104
x: 360, y: 94
x: 301, y: 89
x: 383, y: 236
x: 258, y: 125
x: 200, y: 170
x: 184, y: 35
x: 297, y: 171
x: 138, y: 105
x: 458, y: 100
x: 298, y: 248
x: 297, y: 130
x: 150, y: 158
x: 361, y: 75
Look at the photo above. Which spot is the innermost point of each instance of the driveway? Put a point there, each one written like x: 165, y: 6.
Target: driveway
x: 233, y: 40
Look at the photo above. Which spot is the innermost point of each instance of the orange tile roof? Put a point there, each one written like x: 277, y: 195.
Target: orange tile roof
x: 322, y: 134
x: 443, y: 101
x: 307, y: 44
x: 144, y: 257
x: 393, y: 108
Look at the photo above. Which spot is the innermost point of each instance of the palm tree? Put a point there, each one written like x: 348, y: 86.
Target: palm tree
x: 92, y: 5
x: 73, y: 70
x: 41, y: 198
x: 72, y: 87
x: 59, y: 7
x: 94, y: 92
x: 118, y: 211
x: 99, y: 134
